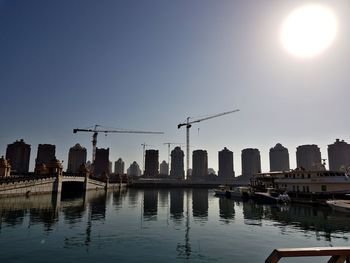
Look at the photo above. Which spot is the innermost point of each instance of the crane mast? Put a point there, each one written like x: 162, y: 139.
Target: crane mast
x: 188, y: 125
x: 95, y: 130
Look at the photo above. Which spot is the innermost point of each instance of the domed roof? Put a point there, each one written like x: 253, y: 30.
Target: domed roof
x: 77, y: 146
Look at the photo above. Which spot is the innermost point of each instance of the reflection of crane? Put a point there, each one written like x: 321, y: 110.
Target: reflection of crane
x: 171, y: 143
x: 188, y: 125
x: 96, y: 129
x: 144, y: 145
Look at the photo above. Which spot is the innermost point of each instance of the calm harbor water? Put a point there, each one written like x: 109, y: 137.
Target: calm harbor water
x: 160, y: 225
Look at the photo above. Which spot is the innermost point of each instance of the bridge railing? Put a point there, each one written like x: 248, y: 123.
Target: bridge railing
x: 336, y: 254
x: 21, y: 178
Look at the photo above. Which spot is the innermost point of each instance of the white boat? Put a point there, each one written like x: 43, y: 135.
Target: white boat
x: 271, y: 196
x: 304, y: 182
x: 239, y: 192
x: 222, y: 190
x: 339, y: 205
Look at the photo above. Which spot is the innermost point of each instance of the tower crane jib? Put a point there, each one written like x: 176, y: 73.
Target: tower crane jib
x: 98, y: 129
x: 188, y: 125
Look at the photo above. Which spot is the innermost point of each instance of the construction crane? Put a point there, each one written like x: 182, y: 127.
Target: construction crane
x: 188, y: 125
x: 97, y: 129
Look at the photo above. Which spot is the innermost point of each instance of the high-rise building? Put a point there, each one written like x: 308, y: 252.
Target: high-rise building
x: 177, y: 163
x: 46, y: 153
x: 199, y: 165
x: 119, y: 166
x: 151, y: 163
x: 251, y: 163
x: 101, y: 164
x: 339, y: 155
x: 76, y: 157
x: 134, y: 169
x: 18, y: 154
x: 164, y: 168
x: 308, y: 157
x: 225, y: 164
x: 279, y: 158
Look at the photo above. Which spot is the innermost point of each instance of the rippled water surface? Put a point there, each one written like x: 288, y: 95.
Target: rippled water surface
x: 160, y: 225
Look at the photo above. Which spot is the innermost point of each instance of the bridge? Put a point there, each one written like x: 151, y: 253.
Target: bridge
x: 51, y: 183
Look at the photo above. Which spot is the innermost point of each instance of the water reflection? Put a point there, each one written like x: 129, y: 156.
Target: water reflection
x: 227, y: 209
x: 321, y: 220
x: 150, y: 204
x: 200, y: 203
x: 85, y: 213
x: 177, y: 204
x: 163, y: 197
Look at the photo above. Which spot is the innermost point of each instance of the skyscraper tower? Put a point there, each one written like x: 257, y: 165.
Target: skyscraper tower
x: 151, y: 163
x: 177, y: 163
x: 18, y: 154
x: 339, y: 155
x: 164, y: 168
x: 76, y: 157
x: 279, y: 158
x: 251, y: 163
x: 134, y: 169
x: 101, y: 164
x: 225, y: 165
x: 46, y: 153
x: 308, y: 157
x: 119, y: 166
x: 200, y: 165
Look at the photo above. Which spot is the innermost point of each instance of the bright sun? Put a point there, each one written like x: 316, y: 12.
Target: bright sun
x: 308, y: 31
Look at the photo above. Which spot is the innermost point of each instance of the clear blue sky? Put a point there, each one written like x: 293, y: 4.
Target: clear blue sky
x: 147, y: 65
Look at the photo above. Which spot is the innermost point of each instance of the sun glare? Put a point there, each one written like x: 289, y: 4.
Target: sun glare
x: 308, y: 31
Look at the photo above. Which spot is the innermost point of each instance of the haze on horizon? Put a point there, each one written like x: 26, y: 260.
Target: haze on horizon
x: 147, y: 65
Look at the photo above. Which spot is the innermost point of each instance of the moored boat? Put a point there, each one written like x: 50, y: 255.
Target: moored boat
x: 301, y: 183
x: 339, y: 205
x: 271, y: 196
x: 222, y: 190
x: 239, y: 192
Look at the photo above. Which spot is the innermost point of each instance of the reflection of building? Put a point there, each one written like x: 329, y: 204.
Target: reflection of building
x: 279, y: 158
x: 177, y: 203
x: 199, y: 164
x: 150, y: 203
x: 177, y: 163
x: 250, y: 162
x: 76, y: 157
x: 227, y: 209
x: 151, y: 163
x: 339, y: 155
x: 200, y: 202
x: 101, y: 164
x: 134, y: 169
x: 164, y: 168
x: 46, y: 153
x: 308, y: 157
x: 18, y: 153
x: 119, y: 166
x: 225, y: 164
